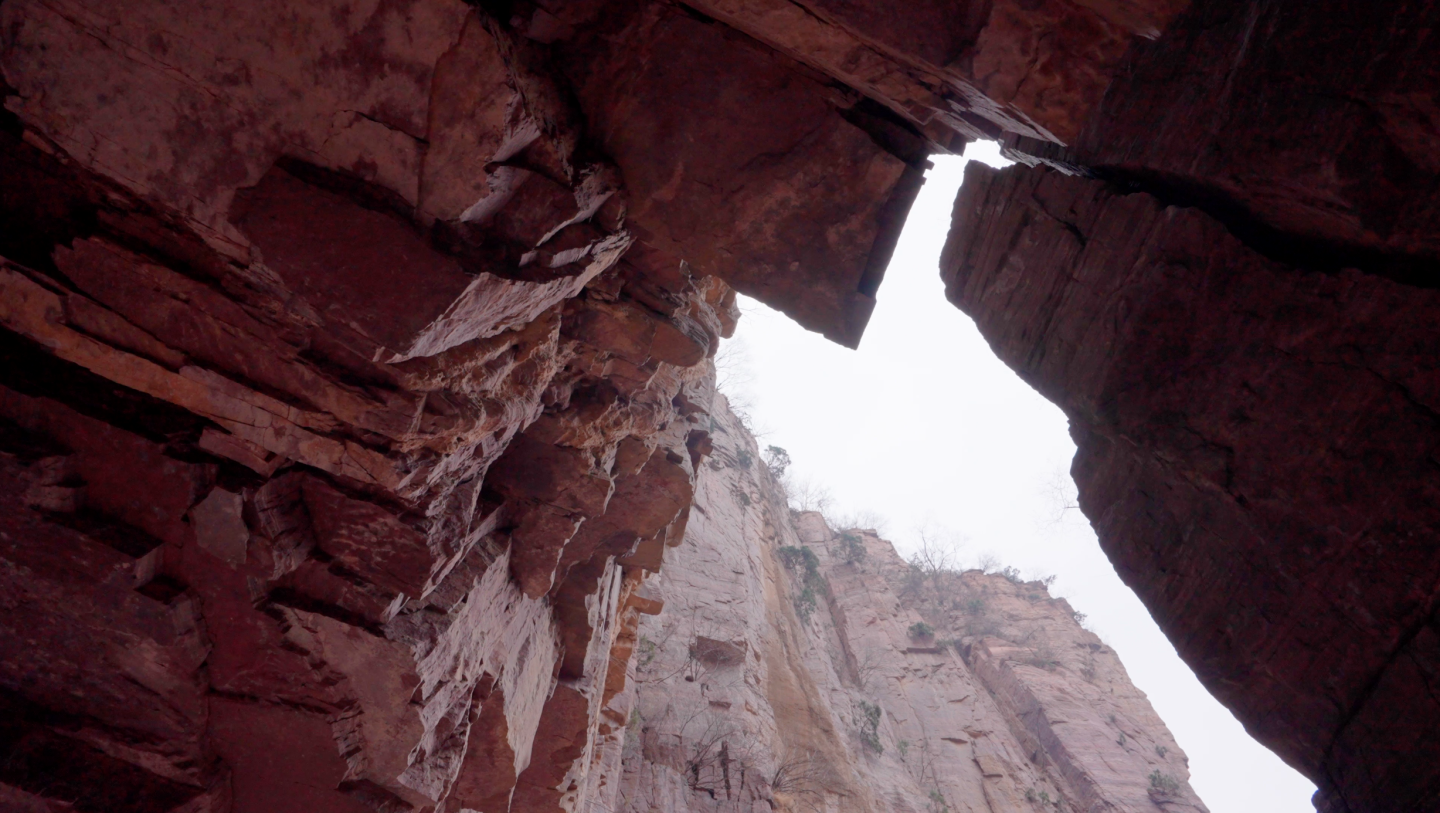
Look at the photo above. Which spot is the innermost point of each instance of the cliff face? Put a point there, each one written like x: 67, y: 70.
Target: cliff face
x: 355, y: 356
x: 789, y: 667
x: 355, y: 363
x: 777, y: 145
x: 1236, y: 309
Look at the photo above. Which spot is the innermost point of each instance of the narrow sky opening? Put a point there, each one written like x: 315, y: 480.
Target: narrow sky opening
x: 925, y: 427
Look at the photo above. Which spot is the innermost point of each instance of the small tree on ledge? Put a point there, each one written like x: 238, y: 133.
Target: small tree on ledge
x: 778, y: 460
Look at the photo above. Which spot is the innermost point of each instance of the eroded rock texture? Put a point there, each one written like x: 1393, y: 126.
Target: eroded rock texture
x: 342, y: 412
x: 785, y: 671
x: 1237, y: 312
x: 355, y: 357
x: 355, y: 360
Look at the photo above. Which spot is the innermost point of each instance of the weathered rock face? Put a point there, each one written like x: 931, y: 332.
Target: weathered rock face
x: 355, y: 363
x: 336, y: 432
x: 785, y: 670
x: 1237, y: 312
x: 355, y: 357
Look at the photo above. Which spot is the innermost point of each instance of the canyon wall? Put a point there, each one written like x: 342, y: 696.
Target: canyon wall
x: 355, y: 357
x: 1229, y: 287
x: 795, y: 667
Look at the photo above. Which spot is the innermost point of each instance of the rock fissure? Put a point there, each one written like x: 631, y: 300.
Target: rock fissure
x: 1303, y: 252
x: 1401, y: 649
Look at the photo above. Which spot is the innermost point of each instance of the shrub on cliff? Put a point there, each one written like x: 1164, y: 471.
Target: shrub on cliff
x: 982, y: 626
x: 801, y: 775
x: 1043, y: 656
x: 921, y: 631
x: 864, y: 520
x: 1163, y: 785
x: 934, y: 556
x: 799, y: 558
x: 778, y: 460
x: 869, y: 722
x: 805, y: 603
x: 1040, y: 797
x: 852, y: 547
x: 803, y: 561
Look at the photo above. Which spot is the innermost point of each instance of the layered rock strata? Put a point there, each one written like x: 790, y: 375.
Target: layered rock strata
x: 341, y: 414
x: 795, y: 667
x: 355, y: 357
x: 1232, y: 298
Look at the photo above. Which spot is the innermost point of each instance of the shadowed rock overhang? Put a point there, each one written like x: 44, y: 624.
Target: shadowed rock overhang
x: 356, y: 356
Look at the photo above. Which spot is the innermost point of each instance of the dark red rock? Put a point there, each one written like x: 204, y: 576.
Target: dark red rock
x: 1256, y: 452
x: 284, y: 759
x: 1312, y: 124
x: 367, y: 541
x: 1250, y: 378
x: 354, y: 360
x: 371, y: 267
x: 731, y: 155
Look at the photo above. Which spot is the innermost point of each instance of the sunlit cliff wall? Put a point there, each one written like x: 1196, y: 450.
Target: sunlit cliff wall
x: 785, y: 670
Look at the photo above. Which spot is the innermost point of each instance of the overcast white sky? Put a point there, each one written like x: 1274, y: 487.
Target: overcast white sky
x: 926, y: 427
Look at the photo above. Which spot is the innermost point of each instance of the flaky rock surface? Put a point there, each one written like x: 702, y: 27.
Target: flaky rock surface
x: 354, y: 365
x: 356, y: 360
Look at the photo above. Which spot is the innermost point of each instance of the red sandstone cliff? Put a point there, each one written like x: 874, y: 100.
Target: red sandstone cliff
x: 355, y: 364
x: 355, y: 356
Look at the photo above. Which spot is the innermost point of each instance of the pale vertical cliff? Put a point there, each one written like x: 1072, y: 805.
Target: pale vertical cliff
x: 790, y: 666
